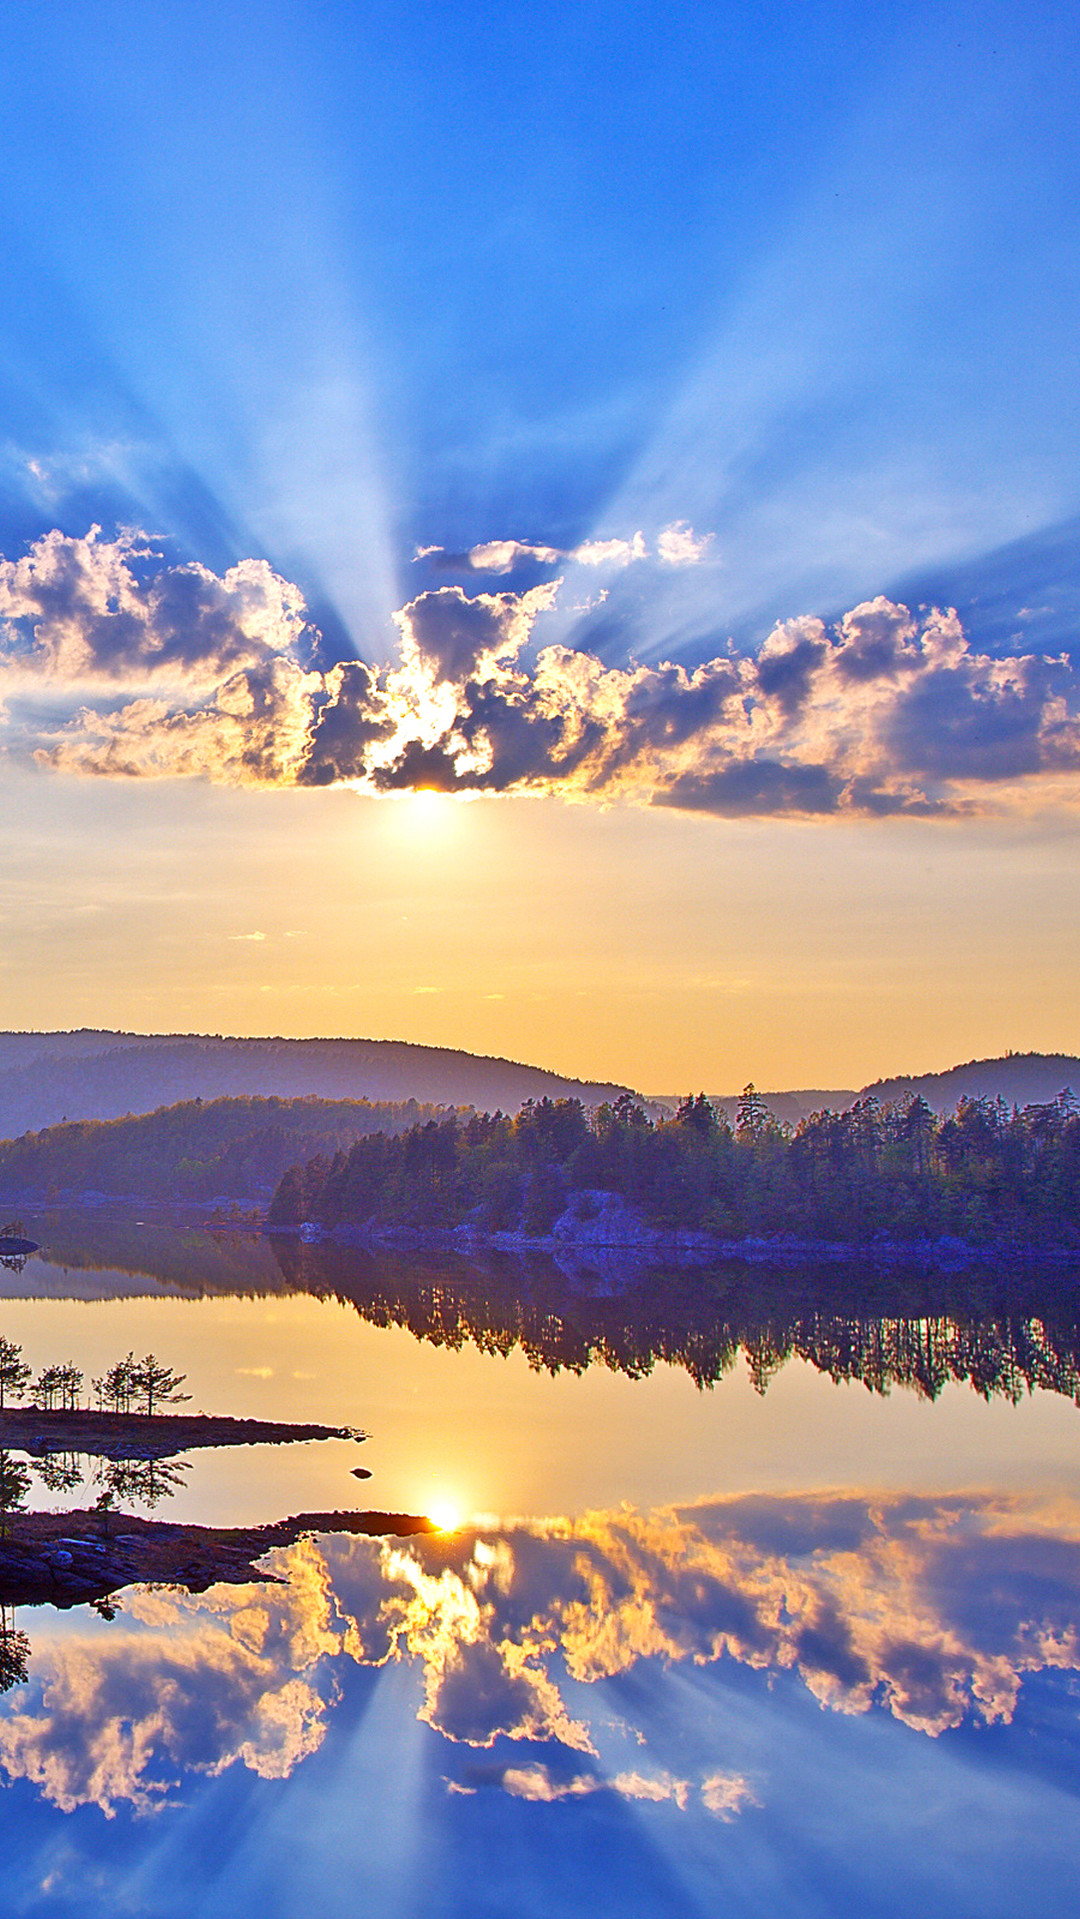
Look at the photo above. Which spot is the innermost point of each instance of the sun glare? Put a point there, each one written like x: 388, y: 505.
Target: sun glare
x: 425, y: 813
x: 445, y: 1515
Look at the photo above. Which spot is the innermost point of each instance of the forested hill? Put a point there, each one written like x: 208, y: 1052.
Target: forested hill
x: 234, y: 1149
x: 987, y: 1174
x: 48, y: 1077
x: 1020, y: 1079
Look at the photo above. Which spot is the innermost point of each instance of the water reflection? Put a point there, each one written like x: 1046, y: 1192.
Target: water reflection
x: 1005, y: 1336
x: 139, y: 1481
x: 803, y: 1702
x: 1004, y: 1331
x: 930, y: 1612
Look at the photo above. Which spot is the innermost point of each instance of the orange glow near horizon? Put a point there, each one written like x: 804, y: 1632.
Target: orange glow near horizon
x: 666, y: 951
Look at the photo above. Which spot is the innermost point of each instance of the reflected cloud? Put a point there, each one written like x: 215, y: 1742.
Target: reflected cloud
x: 929, y: 1611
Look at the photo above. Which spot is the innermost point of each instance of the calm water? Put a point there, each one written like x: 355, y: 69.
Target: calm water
x: 803, y: 1639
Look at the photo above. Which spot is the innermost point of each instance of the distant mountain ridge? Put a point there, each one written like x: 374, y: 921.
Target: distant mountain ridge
x: 49, y: 1077
x: 1021, y: 1079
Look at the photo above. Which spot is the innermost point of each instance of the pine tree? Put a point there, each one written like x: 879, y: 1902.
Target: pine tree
x: 14, y: 1372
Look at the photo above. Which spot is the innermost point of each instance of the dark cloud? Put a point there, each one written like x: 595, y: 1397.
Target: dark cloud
x: 112, y: 663
x: 754, y: 786
x: 825, y: 1645
x: 785, y: 676
x: 956, y: 723
x: 421, y: 768
x: 451, y: 634
x: 345, y: 727
x: 876, y: 642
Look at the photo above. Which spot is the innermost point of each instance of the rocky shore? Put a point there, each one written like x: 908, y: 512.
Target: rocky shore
x: 82, y: 1558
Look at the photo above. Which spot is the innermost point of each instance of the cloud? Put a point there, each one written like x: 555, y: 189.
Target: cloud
x: 507, y: 556
x: 112, y: 664
x: 81, y: 610
x: 453, y: 638
x: 931, y: 1610
x: 609, y: 552
x: 118, y: 1722
x: 679, y: 545
x: 676, y: 545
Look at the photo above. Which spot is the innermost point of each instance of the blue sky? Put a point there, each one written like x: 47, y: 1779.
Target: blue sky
x: 697, y: 326
x: 327, y: 283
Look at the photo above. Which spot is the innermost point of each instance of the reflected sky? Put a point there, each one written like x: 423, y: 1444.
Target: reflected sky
x: 741, y: 1700
x: 452, y: 1382
x: 809, y: 1649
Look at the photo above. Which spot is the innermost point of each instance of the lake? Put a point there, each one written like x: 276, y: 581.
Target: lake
x: 758, y: 1591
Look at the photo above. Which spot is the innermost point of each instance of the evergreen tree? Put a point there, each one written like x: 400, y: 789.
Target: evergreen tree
x: 155, y: 1385
x: 14, y: 1372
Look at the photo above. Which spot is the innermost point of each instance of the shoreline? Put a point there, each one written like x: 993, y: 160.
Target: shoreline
x: 82, y: 1557
x: 687, y: 1247
x: 147, y: 1435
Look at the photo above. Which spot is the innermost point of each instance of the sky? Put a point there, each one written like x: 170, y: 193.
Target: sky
x: 547, y: 531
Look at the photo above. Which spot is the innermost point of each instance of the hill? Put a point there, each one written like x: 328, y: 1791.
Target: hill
x: 788, y: 1107
x: 49, y: 1077
x: 233, y: 1149
x: 1020, y: 1079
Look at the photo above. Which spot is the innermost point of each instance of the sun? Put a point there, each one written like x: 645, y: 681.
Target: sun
x: 426, y: 807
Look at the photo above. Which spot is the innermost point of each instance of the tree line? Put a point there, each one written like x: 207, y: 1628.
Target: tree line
x: 132, y: 1385
x: 985, y: 1172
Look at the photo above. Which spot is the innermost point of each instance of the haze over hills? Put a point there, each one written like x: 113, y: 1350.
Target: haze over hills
x: 789, y: 1107
x: 48, y: 1077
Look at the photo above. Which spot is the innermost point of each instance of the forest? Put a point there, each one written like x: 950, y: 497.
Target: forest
x: 231, y: 1149
x: 985, y: 1173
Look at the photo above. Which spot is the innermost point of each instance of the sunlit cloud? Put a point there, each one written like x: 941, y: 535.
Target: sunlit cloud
x: 115, y: 664
x: 679, y: 545
x: 507, y: 556
x: 676, y: 545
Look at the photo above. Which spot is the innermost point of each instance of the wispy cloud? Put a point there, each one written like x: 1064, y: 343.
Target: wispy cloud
x: 676, y: 545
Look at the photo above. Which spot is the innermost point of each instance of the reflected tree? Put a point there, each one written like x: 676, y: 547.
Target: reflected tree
x: 14, y: 1486
x: 147, y: 1481
x: 59, y: 1472
x: 14, y: 1651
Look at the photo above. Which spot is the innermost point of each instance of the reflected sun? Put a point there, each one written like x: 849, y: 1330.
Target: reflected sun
x: 444, y: 1514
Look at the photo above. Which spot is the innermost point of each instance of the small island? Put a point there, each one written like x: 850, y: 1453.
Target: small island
x: 134, y: 1435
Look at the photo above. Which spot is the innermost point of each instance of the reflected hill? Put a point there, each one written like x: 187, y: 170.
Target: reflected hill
x: 97, y: 1253
x: 1004, y: 1332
